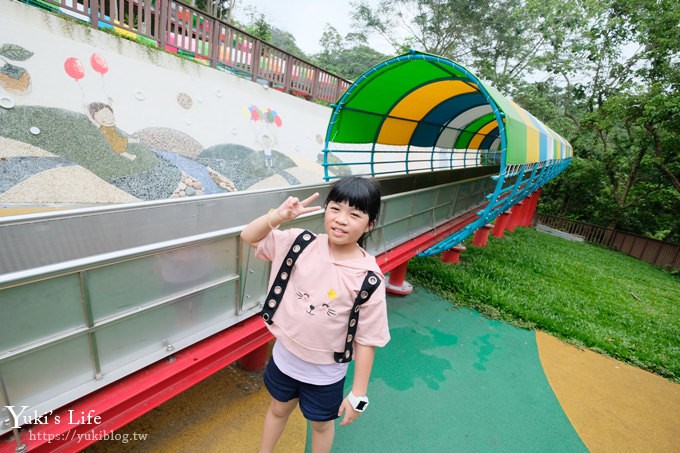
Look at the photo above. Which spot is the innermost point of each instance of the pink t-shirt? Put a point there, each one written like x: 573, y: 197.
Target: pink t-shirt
x: 311, y: 320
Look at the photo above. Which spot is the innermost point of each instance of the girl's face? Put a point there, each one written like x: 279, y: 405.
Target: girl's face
x: 105, y: 117
x: 344, y: 224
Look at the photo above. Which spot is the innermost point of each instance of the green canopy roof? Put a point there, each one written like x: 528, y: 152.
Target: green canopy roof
x: 424, y: 101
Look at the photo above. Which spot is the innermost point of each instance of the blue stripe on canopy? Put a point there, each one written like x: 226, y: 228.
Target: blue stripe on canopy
x: 429, y: 129
x: 487, y: 143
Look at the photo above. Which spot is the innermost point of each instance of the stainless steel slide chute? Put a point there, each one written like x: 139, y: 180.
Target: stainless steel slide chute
x: 92, y: 295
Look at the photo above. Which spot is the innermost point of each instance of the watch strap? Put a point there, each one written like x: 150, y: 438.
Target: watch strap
x: 359, y: 403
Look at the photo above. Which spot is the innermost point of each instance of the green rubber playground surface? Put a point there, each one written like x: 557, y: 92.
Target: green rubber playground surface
x: 453, y: 381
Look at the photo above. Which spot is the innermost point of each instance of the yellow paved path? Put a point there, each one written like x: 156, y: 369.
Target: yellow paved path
x: 613, y: 407
x: 223, y: 413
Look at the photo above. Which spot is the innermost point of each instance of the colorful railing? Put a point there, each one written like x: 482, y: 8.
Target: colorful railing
x: 186, y: 31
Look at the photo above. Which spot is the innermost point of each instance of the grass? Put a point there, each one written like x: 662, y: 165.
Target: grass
x: 581, y: 293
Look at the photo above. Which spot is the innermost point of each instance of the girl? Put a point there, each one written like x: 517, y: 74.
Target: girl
x: 316, y: 322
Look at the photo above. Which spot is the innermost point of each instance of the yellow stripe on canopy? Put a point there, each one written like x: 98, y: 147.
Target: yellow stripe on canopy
x: 533, y: 135
x: 404, y: 117
x: 481, y: 135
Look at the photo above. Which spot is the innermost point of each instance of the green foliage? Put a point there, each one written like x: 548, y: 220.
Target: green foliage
x: 260, y: 28
x: 286, y: 41
x: 502, y: 41
x: 347, y: 57
x: 579, y: 292
x: 620, y: 116
x: 565, y: 196
x: 258, y: 25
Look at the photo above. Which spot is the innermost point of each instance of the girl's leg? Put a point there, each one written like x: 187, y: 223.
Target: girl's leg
x: 322, y: 436
x: 274, y: 423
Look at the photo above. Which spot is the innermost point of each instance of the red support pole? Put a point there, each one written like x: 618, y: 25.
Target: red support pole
x: 529, y: 211
x: 530, y: 217
x: 515, y: 216
x: 481, y: 236
x: 523, y: 215
x: 519, y: 219
x: 256, y: 360
x: 528, y: 201
x: 501, y: 224
x: 396, y: 284
x: 452, y: 256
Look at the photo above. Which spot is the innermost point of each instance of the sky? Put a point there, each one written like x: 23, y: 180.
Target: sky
x: 306, y: 20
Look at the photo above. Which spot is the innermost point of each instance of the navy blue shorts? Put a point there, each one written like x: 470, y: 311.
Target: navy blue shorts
x: 318, y: 403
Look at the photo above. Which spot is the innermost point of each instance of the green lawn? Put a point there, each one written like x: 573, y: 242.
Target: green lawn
x: 581, y: 293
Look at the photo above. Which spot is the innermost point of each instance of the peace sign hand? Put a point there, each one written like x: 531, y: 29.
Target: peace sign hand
x: 293, y: 207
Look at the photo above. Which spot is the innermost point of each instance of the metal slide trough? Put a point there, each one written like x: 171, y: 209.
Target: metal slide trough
x: 90, y: 296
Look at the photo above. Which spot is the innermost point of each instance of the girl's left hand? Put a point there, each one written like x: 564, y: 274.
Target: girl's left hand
x: 350, y: 414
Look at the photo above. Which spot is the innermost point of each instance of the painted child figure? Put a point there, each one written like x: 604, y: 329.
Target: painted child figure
x: 311, y: 322
x: 101, y: 115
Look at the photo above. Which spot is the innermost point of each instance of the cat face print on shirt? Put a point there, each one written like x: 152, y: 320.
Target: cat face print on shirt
x: 312, y: 308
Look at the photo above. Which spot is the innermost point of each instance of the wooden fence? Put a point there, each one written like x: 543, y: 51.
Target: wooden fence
x: 175, y: 27
x: 659, y: 253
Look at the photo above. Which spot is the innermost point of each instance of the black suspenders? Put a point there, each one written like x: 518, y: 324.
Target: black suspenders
x: 281, y: 281
x: 370, y: 284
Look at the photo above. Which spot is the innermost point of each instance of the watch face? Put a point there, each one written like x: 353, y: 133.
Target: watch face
x: 361, y: 406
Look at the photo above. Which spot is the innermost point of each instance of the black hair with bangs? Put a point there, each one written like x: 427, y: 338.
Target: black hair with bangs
x: 360, y: 193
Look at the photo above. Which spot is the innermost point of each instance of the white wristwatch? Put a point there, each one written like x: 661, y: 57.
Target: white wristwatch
x: 359, y: 403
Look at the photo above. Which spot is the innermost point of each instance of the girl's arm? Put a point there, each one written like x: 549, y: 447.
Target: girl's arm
x: 363, y: 363
x: 256, y: 230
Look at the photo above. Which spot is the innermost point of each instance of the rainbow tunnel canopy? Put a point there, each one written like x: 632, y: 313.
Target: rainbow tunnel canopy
x: 421, y: 101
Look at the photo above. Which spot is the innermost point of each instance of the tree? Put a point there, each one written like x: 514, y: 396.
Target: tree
x: 633, y: 104
x: 220, y: 9
x: 348, y: 57
x: 502, y: 41
x: 625, y: 108
x: 259, y: 27
x: 286, y: 42
x: 609, y: 81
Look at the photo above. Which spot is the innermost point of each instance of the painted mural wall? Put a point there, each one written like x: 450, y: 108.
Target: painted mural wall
x: 89, y: 118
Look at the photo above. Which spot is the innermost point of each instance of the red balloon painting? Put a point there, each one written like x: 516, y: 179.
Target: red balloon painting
x: 99, y: 64
x: 74, y: 68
